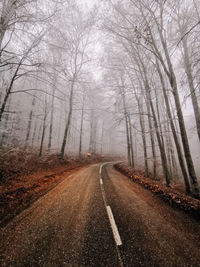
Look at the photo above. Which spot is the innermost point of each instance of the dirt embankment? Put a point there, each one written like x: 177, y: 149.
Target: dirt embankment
x: 175, y: 199
x: 24, y: 178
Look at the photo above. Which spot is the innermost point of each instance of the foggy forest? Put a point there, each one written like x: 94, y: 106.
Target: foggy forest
x: 103, y: 79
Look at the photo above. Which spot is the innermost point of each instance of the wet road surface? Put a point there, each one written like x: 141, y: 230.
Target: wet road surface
x: 97, y: 217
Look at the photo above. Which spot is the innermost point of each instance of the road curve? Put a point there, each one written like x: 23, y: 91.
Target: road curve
x: 73, y: 226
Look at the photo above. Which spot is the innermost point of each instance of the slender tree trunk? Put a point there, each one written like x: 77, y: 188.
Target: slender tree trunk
x: 60, y: 126
x: 91, y: 144
x: 68, y: 119
x: 102, y: 137
x: 51, y: 120
x: 162, y: 150
x: 81, y: 130
x: 188, y: 70
x: 34, y: 133
x: 127, y: 126
x: 43, y: 129
x: 160, y: 143
x: 29, y: 123
x: 43, y: 135
x: 152, y: 140
x: 127, y: 140
x: 6, y: 117
x: 39, y: 132
x: 168, y: 150
x: 176, y: 140
x: 171, y: 151
x: 168, y: 69
x: 159, y: 120
x: 142, y: 126
x: 131, y: 142
x: 136, y: 148
x: 185, y: 142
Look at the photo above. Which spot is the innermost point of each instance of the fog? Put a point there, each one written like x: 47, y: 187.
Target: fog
x: 105, y: 77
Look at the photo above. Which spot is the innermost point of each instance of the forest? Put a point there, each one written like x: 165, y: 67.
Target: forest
x: 110, y: 78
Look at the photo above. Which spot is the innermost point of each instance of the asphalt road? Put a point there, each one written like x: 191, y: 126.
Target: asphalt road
x: 97, y: 217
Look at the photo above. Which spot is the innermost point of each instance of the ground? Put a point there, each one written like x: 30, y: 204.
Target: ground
x: 69, y: 226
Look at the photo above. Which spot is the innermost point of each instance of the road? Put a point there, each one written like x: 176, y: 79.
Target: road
x: 97, y: 217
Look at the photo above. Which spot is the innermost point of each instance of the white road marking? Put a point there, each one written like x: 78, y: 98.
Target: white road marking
x: 114, y: 226
x: 100, y: 169
x: 109, y: 212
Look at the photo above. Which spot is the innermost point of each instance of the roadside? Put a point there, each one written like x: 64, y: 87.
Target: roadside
x: 152, y: 232
x: 172, y: 197
x: 68, y: 226
x: 25, y: 179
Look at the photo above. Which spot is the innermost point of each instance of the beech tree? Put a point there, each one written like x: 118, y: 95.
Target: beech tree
x: 144, y: 27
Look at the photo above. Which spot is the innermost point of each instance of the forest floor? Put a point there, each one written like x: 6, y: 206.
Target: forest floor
x: 24, y: 178
x: 173, y: 195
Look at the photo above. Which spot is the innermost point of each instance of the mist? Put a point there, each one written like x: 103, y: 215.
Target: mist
x: 106, y: 78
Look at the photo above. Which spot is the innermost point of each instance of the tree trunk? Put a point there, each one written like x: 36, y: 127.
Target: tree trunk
x: 102, y: 137
x: 62, y: 152
x: 6, y: 117
x: 131, y: 142
x: 171, y: 151
x: 160, y: 142
x: 142, y: 126
x: 51, y: 120
x: 127, y: 140
x: 178, y: 146
x: 81, y: 130
x: 43, y: 135
x: 43, y: 128
x: 152, y: 140
x: 188, y: 70
x: 159, y: 120
x: 29, y: 123
x: 162, y: 150
x: 168, y: 69
x: 34, y: 133
x: 185, y: 142
x: 127, y: 126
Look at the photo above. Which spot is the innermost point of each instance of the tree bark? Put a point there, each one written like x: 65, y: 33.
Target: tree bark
x: 51, y: 120
x: 43, y: 129
x: 173, y: 83
x: 160, y: 142
x: 62, y: 152
x: 140, y: 108
x: 152, y: 140
x: 131, y: 142
x: 178, y: 146
x: 188, y: 70
x: 29, y: 123
x: 34, y: 133
x: 81, y: 130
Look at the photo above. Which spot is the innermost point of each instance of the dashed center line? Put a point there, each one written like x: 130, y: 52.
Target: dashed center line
x: 100, y: 169
x: 109, y: 212
x: 114, y: 227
